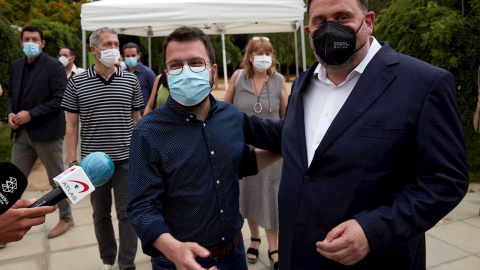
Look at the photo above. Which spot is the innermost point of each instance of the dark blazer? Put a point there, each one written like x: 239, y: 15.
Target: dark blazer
x: 42, y: 97
x: 394, y: 159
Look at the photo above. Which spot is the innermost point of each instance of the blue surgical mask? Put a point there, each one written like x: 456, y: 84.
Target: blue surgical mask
x: 131, y: 61
x: 31, y: 49
x: 189, y: 88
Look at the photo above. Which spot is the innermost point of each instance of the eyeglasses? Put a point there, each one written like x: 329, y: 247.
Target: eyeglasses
x: 257, y: 38
x: 196, y: 65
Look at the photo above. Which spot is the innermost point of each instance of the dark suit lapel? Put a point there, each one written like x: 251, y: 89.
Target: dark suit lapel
x: 18, y: 83
x: 299, y: 113
x: 36, y: 73
x: 376, y: 77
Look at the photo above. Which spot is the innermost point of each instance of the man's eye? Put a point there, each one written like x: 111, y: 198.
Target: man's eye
x: 196, y: 63
x: 175, y: 66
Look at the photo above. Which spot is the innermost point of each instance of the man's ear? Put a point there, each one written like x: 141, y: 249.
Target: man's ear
x: 307, y: 29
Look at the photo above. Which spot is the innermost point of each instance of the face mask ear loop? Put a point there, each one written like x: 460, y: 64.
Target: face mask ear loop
x: 358, y: 30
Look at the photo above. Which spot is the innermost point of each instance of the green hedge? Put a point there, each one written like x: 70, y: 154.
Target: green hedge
x: 9, y: 51
x: 446, y: 34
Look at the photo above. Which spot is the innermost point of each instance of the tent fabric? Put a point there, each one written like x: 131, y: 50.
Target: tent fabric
x: 160, y: 18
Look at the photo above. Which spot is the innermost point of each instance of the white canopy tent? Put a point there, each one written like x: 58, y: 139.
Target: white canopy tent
x: 149, y: 18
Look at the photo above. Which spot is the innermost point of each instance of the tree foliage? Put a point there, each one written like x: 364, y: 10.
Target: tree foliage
x: 446, y: 34
x: 10, y: 50
x: 58, y: 35
x: 22, y: 12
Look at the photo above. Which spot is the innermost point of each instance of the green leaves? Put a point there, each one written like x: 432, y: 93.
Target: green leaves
x: 445, y: 33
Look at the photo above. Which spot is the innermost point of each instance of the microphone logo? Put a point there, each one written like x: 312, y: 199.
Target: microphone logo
x: 10, y: 185
x: 85, y: 186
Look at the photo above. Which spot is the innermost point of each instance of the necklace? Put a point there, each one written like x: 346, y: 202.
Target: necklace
x: 258, y: 106
x: 106, y: 76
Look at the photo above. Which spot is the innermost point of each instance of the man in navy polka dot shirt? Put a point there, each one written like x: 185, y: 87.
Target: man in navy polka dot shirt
x: 186, y: 158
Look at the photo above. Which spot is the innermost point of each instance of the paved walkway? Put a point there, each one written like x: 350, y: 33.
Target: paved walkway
x: 454, y: 243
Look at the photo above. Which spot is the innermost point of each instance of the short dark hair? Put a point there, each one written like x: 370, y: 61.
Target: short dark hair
x: 362, y: 3
x: 32, y: 28
x: 72, y: 50
x: 185, y: 33
x: 131, y: 45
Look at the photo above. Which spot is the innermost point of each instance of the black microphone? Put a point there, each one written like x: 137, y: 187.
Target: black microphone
x: 12, y: 185
x: 77, y: 182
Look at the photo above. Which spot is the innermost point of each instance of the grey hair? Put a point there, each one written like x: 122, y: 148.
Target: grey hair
x: 95, y: 36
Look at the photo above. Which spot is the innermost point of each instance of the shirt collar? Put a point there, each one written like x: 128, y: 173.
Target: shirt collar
x: 34, y: 61
x: 139, y: 68
x: 92, y: 73
x: 321, y: 72
x: 172, y: 106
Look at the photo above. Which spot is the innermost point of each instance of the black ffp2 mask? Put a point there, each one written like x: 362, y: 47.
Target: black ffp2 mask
x: 335, y: 43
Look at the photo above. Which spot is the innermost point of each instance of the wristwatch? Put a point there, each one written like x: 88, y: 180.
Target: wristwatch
x: 72, y: 163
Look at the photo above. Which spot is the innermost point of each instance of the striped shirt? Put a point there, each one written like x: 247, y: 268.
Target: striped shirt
x: 105, y: 109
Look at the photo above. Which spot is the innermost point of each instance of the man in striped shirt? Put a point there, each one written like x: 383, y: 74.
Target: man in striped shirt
x: 107, y: 101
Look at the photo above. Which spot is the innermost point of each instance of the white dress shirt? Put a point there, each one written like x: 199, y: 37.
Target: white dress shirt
x: 323, y: 100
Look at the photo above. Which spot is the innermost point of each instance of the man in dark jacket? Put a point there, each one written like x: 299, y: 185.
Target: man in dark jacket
x: 37, y: 83
x: 372, y: 145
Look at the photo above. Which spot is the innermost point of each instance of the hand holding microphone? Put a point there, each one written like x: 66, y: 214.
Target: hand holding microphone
x: 78, y: 181
x: 18, y: 220
x: 15, y: 219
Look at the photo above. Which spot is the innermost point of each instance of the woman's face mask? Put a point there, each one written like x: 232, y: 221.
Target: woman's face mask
x: 262, y: 62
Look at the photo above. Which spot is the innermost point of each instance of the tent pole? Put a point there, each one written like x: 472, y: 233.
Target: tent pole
x: 150, y: 47
x: 150, y: 52
x: 296, y: 53
x: 225, y: 75
x: 84, y: 49
x: 304, y: 57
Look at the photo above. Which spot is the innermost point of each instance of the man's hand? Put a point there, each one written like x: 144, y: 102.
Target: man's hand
x: 22, y: 117
x: 184, y: 258
x: 346, y: 243
x: 18, y: 220
x: 182, y: 254
x: 11, y: 122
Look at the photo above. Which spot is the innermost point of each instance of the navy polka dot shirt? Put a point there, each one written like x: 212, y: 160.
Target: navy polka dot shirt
x: 184, y: 175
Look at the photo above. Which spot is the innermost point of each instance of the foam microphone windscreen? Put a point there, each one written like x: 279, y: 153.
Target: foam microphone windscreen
x: 12, y: 185
x: 98, y: 166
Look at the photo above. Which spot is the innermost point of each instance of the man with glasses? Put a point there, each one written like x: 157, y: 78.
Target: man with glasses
x: 186, y: 158
x: 37, y: 84
x: 107, y: 100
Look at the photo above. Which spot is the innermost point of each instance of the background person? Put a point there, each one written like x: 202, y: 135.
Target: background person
x: 373, y: 149
x: 145, y: 76
x: 107, y: 100
x: 159, y: 94
x: 37, y: 84
x: 66, y: 56
x: 259, y: 90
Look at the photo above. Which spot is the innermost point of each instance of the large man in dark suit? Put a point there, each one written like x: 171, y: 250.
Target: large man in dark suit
x: 373, y: 149
x: 37, y: 83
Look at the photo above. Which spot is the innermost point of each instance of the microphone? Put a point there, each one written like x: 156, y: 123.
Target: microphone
x: 12, y: 185
x: 77, y: 182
